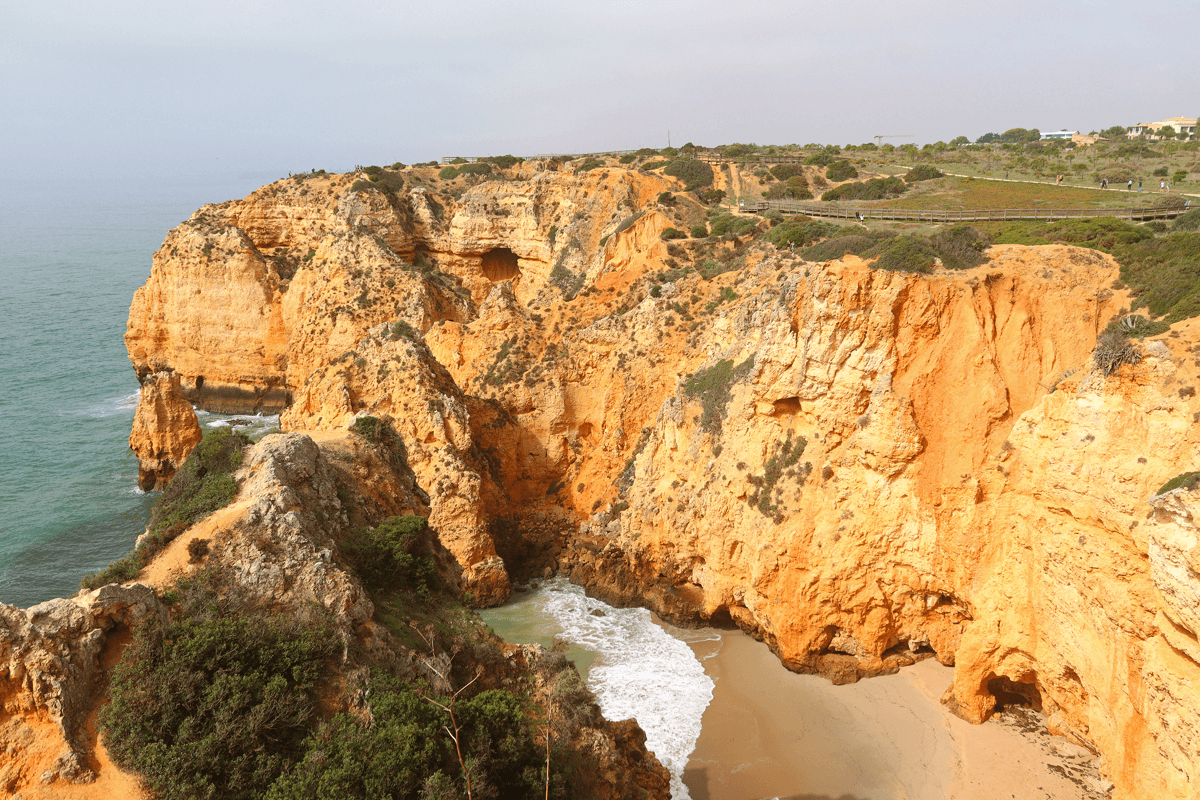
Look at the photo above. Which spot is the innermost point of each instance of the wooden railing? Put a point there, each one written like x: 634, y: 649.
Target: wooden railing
x: 835, y: 211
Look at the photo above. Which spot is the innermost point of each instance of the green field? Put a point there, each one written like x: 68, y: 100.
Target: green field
x: 964, y: 193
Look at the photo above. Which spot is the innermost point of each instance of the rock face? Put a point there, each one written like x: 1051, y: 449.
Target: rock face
x: 165, y: 430
x: 859, y: 467
x: 50, y: 677
x: 275, y: 547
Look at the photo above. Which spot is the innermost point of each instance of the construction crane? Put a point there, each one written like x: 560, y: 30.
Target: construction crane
x: 879, y: 139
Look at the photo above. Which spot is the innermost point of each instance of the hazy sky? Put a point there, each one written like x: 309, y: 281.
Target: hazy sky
x: 161, y: 88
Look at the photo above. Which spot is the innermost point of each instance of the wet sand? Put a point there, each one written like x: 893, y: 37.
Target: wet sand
x: 771, y: 733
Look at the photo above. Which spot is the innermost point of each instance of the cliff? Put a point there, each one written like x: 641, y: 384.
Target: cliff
x: 859, y: 467
x: 278, y: 546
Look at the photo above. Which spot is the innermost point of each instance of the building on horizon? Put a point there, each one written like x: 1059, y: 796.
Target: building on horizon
x: 1180, y: 124
x: 1063, y: 134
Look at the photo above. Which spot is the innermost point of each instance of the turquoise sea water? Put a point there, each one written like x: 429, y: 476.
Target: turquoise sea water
x: 71, y: 255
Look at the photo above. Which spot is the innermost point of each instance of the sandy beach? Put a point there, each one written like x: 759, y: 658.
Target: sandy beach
x: 771, y: 733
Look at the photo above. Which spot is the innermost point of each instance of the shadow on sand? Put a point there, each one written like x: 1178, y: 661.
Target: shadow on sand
x: 696, y: 779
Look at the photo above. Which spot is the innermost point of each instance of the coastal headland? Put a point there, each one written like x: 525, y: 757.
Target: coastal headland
x: 589, y: 367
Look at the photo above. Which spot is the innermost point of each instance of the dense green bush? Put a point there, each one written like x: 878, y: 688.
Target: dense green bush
x: 694, y: 173
x: 822, y: 159
x: 1164, y: 274
x: 852, y: 244
x: 652, y: 165
x: 906, y: 253
x: 397, y: 555
x: 506, y: 161
x: 923, y: 172
x: 379, y: 179
x: 785, y: 171
x: 699, y: 230
x: 1099, y: 233
x: 1160, y: 172
x: 626, y: 159
x: 794, y: 188
x: 731, y: 224
x: 960, y: 246
x: 213, y: 704
x: 873, y: 189
x: 202, y: 485
x: 1187, y: 221
x: 841, y: 171
x: 666, y: 199
x: 405, y: 753
x: 475, y: 168
x: 448, y: 173
x: 672, y: 233
x: 711, y: 196
x: 800, y: 232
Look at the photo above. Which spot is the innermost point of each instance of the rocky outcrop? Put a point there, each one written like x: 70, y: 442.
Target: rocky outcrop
x: 859, y: 467
x: 165, y: 430
x: 51, y: 680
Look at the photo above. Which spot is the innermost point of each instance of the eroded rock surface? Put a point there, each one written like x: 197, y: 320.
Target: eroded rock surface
x: 859, y: 467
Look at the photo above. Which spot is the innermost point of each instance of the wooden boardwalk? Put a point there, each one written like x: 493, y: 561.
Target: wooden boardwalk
x: 836, y: 211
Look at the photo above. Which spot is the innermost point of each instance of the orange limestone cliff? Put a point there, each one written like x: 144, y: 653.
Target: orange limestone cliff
x: 861, y: 468
x: 165, y: 430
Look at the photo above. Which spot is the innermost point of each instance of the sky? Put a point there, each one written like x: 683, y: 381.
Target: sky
x: 164, y: 88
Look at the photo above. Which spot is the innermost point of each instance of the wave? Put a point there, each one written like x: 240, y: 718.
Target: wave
x: 112, y: 407
x: 642, y: 672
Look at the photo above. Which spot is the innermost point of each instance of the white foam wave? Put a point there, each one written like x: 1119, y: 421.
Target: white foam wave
x: 112, y: 407
x: 642, y: 672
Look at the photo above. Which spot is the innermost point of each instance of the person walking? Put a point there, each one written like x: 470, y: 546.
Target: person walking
x: 1162, y: 186
x: 1139, y: 184
x: 1129, y: 186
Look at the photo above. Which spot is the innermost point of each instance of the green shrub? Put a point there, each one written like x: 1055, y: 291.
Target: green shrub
x: 784, y: 171
x: 395, y: 556
x: 672, y: 233
x: 448, y: 173
x: 694, y: 173
x: 711, y: 386
x: 666, y: 199
x: 711, y: 196
x: 800, y: 232
x: 923, y: 172
x: 1160, y: 172
x: 1099, y: 233
x: 214, y: 704
x: 784, y: 457
x: 1187, y: 481
x: 822, y: 159
x: 1187, y: 221
x: 794, y: 188
x: 653, y: 165
x: 841, y: 171
x: 506, y: 161
x: 699, y: 231
x: 1180, y: 176
x: 475, y: 168
x: 906, y: 253
x: 847, y: 241
x: 1164, y: 274
x: 961, y: 246
x: 733, y: 225
x: 626, y: 159
x: 873, y: 189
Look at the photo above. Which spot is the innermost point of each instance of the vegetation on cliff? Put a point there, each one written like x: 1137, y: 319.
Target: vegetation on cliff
x: 202, y: 485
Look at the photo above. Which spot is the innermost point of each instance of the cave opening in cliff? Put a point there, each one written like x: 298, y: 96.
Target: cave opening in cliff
x: 500, y: 264
x: 1014, y: 693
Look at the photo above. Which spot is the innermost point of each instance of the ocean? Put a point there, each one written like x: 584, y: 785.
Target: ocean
x: 72, y: 252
